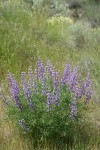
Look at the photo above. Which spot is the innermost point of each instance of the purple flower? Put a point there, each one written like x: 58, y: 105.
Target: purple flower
x: 14, y: 89
x: 50, y: 98
x: 73, y: 109
x: 89, y: 95
x: 73, y: 78
x: 26, y: 86
x: 44, y: 88
x: 56, y: 80
x: 32, y: 82
x: 31, y: 77
x: 83, y: 89
x: 77, y: 92
x: 27, y: 90
x: 66, y: 76
x: 57, y: 96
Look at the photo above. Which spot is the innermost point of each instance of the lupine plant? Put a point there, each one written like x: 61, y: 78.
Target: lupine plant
x: 48, y: 104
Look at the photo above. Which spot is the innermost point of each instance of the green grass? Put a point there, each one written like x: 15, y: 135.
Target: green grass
x: 25, y: 36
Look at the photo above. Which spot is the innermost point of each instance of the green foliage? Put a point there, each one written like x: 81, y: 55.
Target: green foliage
x: 54, y: 126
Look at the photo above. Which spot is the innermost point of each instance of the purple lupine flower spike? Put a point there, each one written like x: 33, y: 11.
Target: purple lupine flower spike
x: 41, y: 70
x: 32, y: 78
x: 27, y: 90
x: 14, y: 89
x: 76, y: 90
x: 57, y: 96
x: 44, y: 89
x: 73, y: 79
x: 89, y: 95
x: 55, y: 80
x: 66, y: 76
x: 73, y: 109
x: 83, y: 89
x: 36, y: 79
x: 50, y: 97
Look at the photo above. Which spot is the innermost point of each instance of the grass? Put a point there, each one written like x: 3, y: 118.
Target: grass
x: 25, y: 36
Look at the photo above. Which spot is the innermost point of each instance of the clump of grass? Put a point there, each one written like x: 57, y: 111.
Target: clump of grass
x: 10, y: 137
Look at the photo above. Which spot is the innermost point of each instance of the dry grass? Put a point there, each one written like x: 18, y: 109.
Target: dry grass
x: 10, y: 138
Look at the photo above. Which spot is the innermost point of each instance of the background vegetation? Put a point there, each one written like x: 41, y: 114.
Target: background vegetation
x: 25, y: 35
